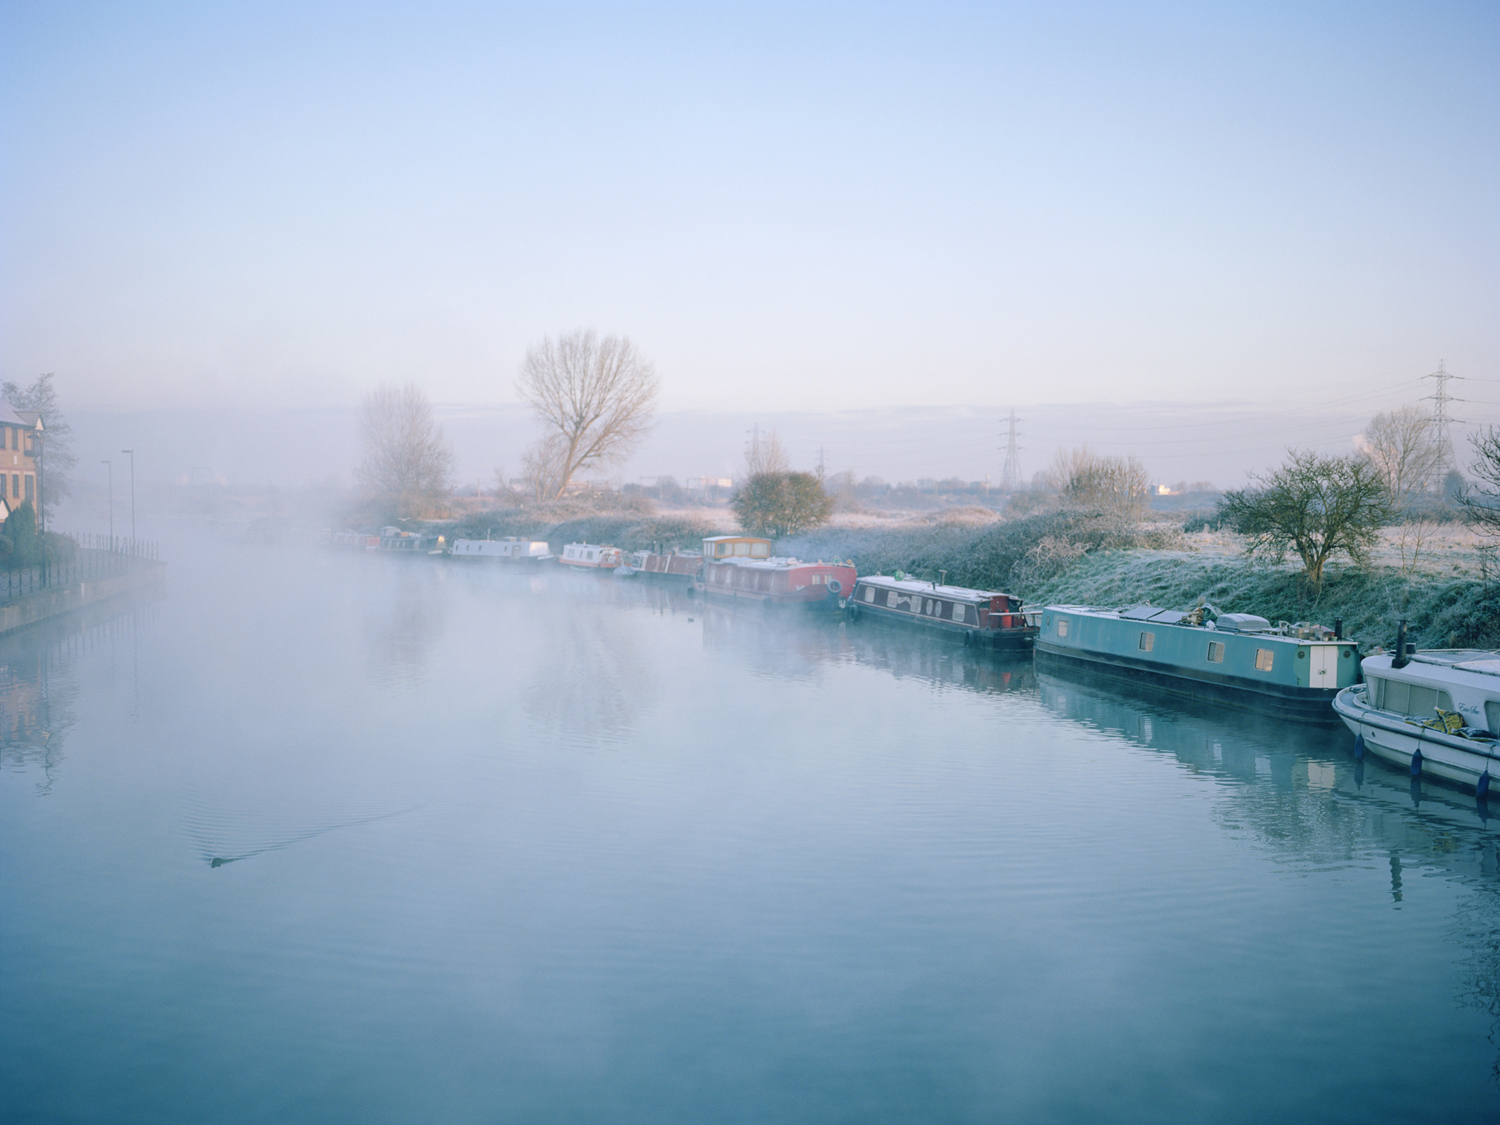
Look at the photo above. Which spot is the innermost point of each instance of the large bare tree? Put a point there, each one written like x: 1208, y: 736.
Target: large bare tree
x: 594, y: 396
x: 1405, y: 451
x: 407, y: 461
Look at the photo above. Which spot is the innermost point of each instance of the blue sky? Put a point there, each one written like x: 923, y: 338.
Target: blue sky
x: 790, y: 208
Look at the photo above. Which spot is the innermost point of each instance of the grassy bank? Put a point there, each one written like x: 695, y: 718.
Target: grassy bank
x: 1441, y: 612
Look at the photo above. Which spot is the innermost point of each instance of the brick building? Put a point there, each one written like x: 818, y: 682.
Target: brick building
x: 17, y: 457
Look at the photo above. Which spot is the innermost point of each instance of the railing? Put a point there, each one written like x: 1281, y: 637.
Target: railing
x: 93, y: 557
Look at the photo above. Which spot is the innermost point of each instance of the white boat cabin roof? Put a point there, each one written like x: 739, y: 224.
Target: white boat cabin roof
x: 1482, y: 661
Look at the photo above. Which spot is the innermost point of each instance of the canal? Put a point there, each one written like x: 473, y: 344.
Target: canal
x: 314, y: 836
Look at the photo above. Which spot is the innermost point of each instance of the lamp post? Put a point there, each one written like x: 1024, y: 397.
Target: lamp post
x: 131, y: 452
x: 37, y: 449
x: 111, y: 469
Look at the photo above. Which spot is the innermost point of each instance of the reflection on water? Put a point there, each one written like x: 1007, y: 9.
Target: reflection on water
x: 39, y: 687
x: 402, y: 625
x: 822, y: 872
x: 592, y: 677
x: 1300, y: 791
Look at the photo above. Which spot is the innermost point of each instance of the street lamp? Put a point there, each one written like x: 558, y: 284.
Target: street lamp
x: 41, y: 508
x: 111, y: 469
x: 131, y: 452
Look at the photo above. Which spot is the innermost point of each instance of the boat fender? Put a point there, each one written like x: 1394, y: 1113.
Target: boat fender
x: 1482, y: 789
x: 968, y: 637
x: 1416, y: 763
x: 1359, y: 747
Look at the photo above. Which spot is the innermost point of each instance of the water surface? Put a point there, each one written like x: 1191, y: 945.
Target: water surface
x: 326, y: 837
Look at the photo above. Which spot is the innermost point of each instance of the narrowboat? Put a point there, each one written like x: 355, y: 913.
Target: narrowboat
x: 982, y: 617
x: 1237, y: 659
x: 1436, y: 712
x: 680, y: 566
x: 357, y: 539
x: 741, y: 567
x: 509, y: 549
x: 587, y: 556
x: 409, y: 542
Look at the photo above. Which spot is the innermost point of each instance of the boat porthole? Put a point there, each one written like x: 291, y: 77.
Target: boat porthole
x: 1416, y: 763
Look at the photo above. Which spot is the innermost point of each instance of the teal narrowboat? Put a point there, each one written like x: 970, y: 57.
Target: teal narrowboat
x: 1238, y: 659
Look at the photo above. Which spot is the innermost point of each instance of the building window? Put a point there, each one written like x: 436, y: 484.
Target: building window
x: 1148, y: 641
x: 15, y: 485
x: 1216, y: 652
x: 1263, y: 657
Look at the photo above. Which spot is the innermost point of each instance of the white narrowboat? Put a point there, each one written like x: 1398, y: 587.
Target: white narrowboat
x: 509, y: 549
x: 588, y: 556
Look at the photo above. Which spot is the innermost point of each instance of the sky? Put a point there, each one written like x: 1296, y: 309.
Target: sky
x: 791, y: 209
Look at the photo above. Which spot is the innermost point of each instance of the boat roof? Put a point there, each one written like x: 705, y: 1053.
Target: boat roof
x: 773, y: 564
x: 1463, y: 659
x: 1128, y: 613
x: 918, y: 585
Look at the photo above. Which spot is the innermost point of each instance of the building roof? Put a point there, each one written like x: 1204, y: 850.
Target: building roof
x: 9, y: 414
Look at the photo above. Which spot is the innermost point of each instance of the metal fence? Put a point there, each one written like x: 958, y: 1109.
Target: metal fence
x: 91, y: 558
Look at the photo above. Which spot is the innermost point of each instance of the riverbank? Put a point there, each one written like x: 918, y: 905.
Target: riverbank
x: 57, y: 601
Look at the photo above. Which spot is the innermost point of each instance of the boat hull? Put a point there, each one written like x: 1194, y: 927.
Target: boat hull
x: 1306, y: 704
x: 1462, y: 761
x: 772, y: 582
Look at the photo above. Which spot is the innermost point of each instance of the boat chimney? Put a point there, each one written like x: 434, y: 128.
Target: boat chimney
x: 1400, y: 661
x: 942, y: 578
x: 1338, y: 628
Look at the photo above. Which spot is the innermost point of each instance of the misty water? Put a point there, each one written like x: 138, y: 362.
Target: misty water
x: 334, y: 837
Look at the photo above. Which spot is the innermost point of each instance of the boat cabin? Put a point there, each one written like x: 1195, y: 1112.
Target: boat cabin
x: 718, y: 547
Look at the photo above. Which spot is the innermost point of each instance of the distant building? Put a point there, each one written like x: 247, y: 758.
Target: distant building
x: 17, y: 456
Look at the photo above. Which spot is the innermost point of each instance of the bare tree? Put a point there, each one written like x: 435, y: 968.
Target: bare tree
x: 541, y: 467
x: 1481, y: 501
x: 1404, y: 450
x: 766, y: 455
x: 407, y: 461
x: 594, y: 396
x: 1083, y: 479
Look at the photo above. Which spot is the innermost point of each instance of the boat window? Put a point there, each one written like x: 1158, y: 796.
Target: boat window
x: 958, y: 612
x: 1062, y: 626
x: 1216, y: 652
x: 869, y: 593
x: 1148, y: 641
x: 1263, y: 658
x: 760, y: 550
x: 1412, y: 699
x: 1492, y: 716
